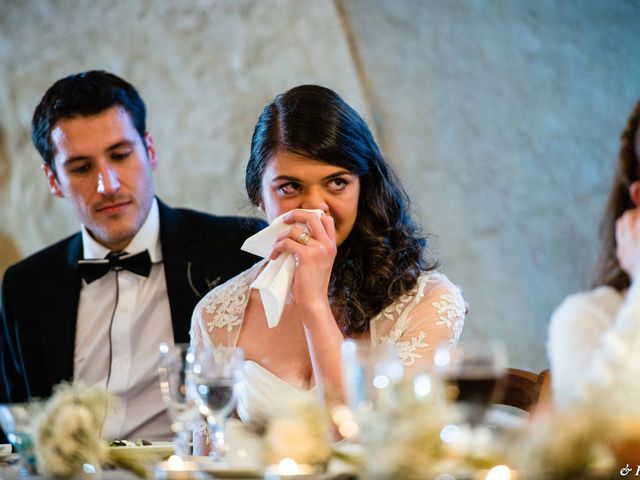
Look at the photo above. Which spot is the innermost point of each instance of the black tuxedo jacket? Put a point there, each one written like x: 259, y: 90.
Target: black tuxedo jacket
x: 40, y: 295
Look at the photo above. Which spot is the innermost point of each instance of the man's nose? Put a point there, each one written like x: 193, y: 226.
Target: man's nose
x: 108, y: 181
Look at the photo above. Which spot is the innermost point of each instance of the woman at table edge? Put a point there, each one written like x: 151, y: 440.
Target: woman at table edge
x: 594, y: 336
x: 361, y: 274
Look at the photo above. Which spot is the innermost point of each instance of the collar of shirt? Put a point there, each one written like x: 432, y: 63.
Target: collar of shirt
x: 148, y: 237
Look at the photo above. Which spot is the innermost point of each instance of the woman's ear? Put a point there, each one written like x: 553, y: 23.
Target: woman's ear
x: 634, y: 193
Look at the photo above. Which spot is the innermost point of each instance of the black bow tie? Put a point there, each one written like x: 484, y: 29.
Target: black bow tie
x: 140, y: 264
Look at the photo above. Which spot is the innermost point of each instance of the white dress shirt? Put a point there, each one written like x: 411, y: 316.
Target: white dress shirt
x: 141, y: 320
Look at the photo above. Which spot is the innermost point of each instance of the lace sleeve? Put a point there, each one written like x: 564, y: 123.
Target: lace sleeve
x: 430, y: 315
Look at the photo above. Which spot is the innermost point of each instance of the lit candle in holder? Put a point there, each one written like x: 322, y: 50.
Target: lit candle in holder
x: 289, y: 469
x: 175, y: 468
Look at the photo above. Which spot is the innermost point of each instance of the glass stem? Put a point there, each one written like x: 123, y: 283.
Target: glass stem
x: 181, y: 444
x: 218, y: 446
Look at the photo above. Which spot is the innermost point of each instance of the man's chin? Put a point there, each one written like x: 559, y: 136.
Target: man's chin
x: 114, y: 239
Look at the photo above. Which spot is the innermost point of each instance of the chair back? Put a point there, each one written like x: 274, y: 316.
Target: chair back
x: 525, y: 390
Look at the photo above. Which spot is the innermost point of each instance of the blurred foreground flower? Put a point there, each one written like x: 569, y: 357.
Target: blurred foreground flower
x: 67, y: 430
x: 67, y: 435
x: 403, y: 439
x: 571, y: 443
x: 299, y: 431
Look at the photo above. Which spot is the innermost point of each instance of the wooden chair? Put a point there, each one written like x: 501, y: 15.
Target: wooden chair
x: 526, y: 390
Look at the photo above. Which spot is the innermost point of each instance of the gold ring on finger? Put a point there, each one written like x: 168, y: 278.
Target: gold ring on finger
x: 303, y: 238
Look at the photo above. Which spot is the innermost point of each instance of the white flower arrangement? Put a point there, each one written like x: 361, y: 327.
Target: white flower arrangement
x: 299, y: 431
x: 577, y: 441
x: 67, y: 430
x: 403, y: 439
x: 67, y: 434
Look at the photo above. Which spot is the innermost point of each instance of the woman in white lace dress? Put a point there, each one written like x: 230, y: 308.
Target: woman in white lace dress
x: 594, y: 336
x: 360, y: 274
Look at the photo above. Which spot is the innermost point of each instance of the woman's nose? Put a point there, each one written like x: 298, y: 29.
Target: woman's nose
x: 315, y: 201
x: 108, y: 181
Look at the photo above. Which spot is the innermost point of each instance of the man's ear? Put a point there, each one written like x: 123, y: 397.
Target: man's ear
x: 634, y: 193
x: 151, y: 150
x: 54, y: 186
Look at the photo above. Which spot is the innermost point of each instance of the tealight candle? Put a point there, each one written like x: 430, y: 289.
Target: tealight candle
x: 289, y: 469
x: 175, y: 468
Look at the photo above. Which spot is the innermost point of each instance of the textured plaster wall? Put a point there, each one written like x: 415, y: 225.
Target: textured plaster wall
x: 502, y: 117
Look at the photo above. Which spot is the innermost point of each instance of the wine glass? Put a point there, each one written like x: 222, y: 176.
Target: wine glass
x: 176, y: 362
x: 472, y: 374
x: 370, y: 374
x: 215, y: 379
x: 369, y: 371
x: 15, y: 419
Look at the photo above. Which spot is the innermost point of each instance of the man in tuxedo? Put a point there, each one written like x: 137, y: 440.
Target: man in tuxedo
x: 95, y: 306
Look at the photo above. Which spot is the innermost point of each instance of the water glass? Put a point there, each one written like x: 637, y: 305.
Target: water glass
x: 370, y: 372
x: 15, y: 419
x: 216, y: 378
x: 176, y: 362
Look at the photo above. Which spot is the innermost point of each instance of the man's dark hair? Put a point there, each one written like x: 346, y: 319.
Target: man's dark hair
x: 79, y: 95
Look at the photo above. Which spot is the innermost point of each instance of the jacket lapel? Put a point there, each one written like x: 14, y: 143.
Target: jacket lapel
x: 59, y: 331
x: 175, y: 237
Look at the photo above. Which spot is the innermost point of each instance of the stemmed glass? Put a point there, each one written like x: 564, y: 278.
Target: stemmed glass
x: 15, y: 420
x: 370, y: 371
x: 371, y: 374
x: 176, y: 362
x: 473, y: 374
x: 215, y: 381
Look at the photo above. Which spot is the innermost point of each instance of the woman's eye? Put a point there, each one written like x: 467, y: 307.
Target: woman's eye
x: 338, y: 183
x: 289, y: 188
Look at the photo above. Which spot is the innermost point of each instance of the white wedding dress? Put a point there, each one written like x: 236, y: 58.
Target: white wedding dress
x: 417, y: 322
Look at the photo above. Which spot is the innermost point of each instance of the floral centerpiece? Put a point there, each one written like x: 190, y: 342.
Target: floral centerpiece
x: 584, y: 440
x: 298, y: 431
x: 67, y: 434
x: 67, y: 430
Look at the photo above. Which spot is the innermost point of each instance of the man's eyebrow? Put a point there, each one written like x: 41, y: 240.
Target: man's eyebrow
x: 121, y: 143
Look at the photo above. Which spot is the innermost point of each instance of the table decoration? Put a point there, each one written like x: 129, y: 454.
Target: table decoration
x: 298, y: 432
x: 67, y: 430
x: 176, y: 468
x: 289, y: 469
x: 586, y: 440
x: 417, y: 434
x: 15, y: 420
x: 67, y: 436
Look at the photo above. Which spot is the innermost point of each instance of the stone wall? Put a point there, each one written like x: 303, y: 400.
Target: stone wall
x: 502, y: 117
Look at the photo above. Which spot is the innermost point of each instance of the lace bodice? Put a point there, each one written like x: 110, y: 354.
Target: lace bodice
x: 430, y: 314
x: 417, y: 322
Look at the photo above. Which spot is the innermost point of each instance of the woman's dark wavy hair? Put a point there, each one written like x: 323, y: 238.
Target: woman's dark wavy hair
x: 383, y: 256
x: 608, y: 270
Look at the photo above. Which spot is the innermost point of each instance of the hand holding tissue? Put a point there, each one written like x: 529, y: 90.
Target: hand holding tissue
x: 274, y: 282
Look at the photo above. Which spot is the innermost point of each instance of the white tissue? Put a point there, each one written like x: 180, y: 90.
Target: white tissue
x: 274, y: 282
